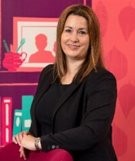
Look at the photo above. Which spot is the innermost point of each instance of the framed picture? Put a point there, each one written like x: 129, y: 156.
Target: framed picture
x: 36, y: 37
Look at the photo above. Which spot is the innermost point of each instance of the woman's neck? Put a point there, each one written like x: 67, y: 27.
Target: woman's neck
x: 72, y: 69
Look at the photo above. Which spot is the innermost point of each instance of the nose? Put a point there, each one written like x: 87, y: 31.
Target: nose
x: 74, y: 37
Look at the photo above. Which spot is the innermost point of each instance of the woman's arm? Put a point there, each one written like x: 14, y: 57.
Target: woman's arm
x: 41, y: 86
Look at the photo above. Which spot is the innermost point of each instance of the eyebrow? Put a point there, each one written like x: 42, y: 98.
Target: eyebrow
x: 78, y: 28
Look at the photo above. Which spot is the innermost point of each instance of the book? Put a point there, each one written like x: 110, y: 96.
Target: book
x: 26, y: 105
x: 17, y: 123
x: 6, y: 113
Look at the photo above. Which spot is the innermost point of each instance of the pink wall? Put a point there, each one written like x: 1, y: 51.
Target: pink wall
x: 117, y: 20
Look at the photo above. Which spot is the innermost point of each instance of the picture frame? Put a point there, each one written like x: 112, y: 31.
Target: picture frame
x: 28, y: 28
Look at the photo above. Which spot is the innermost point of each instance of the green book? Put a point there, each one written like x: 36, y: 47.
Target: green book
x: 26, y: 105
x: 17, y: 124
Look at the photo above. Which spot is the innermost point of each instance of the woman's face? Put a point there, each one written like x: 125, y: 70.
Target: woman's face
x: 75, y: 39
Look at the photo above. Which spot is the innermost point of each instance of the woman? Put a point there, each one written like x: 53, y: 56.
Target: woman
x: 75, y: 100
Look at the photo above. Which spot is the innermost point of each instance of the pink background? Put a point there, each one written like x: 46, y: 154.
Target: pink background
x: 117, y: 20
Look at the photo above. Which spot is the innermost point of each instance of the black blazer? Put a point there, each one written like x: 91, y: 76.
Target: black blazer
x: 82, y: 118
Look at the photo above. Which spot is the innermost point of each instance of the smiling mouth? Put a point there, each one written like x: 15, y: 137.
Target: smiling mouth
x: 73, y: 46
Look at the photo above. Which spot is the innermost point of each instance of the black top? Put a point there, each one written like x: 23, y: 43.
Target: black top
x: 81, y: 117
x: 46, y: 106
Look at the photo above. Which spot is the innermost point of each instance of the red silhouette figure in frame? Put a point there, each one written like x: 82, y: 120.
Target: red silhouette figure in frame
x: 42, y: 55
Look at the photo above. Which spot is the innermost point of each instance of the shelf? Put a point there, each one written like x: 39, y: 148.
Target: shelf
x: 18, y: 77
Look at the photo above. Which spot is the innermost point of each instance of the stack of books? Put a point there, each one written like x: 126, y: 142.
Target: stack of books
x: 20, y: 121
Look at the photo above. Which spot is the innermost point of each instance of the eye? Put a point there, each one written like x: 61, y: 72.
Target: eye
x: 68, y: 30
x: 82, y: 32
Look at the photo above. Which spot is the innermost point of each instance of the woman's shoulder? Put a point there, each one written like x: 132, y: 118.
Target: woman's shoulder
x: 46, y: 72
x: 101, y: 74
x: 48, y: 68
x: 101, y: 79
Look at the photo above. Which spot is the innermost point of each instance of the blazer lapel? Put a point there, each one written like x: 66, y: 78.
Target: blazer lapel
x: 45, y: 85
x: 64, y: 97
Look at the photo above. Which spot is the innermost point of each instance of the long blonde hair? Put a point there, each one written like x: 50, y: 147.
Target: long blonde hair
x: 94, y: 54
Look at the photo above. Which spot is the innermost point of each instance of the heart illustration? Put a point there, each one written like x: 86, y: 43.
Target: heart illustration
x: 101, y: 13
x: 120, y: 140
x: 117, y: 63
x: 127, y: 21
x: 127, y: 98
